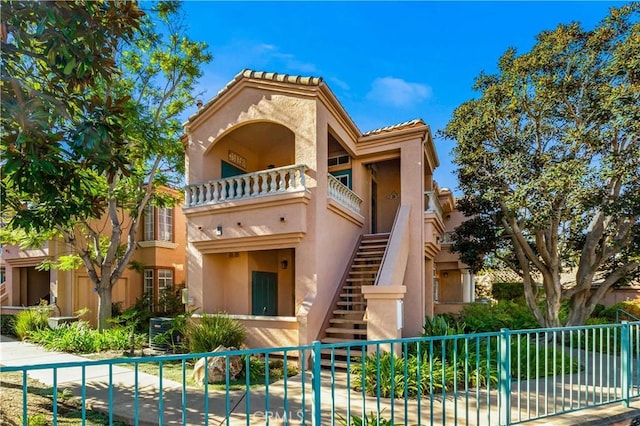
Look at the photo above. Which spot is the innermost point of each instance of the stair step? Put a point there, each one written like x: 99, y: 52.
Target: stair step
x: 338, y: 340
x: 354, y: 331
x: 354, y: 280
x: 347, y: 321
x: 366, y: 265
x: 351, y: 295
x: 363, y: 272
x: 352, y: 287
x: 360, y: 252
x: 336, y: 364
x: 355, y: 352
x: 368, y: 259
x: 375, y: 237
x: 350, y: 303
x: 346, y: 311
x: 375, y: 243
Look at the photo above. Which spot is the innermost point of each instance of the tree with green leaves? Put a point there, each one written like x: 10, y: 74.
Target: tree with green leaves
x: 548, y: 158
x: 92, y: 97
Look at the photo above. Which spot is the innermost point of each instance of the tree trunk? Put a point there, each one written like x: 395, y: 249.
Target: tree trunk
x: 104, y: 304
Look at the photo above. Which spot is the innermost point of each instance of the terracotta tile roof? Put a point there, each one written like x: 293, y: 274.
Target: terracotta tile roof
x: 274, y: 76
x: 261, y: 75
x: 393, y: 128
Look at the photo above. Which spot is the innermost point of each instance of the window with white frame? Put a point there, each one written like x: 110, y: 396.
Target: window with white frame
x: 156, y: 282
x: 158, y: 223
x: 165, y: 224
x: 338, y: 160
x: 165, y: 279
x: 149, y: 223
x: 165, y: 282
x: 149, y: 282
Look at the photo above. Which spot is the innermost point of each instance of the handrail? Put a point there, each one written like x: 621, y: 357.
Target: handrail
x: 3, y: 293
x: 342, y: 194
x: 626, y: 313
x: 394, y: 260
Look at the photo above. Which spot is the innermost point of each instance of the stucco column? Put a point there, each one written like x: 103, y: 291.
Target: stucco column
x: 385, y: 314
x: 419, y: 287
x: 473, y: 287
x: 467, y: 291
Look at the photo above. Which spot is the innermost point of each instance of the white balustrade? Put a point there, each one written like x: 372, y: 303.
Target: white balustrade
x: 265, y: 182
x: 343, y: 195
x: 447, y: 238
x: 432, y: 204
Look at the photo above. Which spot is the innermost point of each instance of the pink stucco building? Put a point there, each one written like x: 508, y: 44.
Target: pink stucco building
x: 306, y: 228
x: 160, y: 251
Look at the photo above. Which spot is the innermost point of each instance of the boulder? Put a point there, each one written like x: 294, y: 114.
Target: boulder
x: 218, y: 367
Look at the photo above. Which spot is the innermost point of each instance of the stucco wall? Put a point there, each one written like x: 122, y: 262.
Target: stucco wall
x: 389, y: 190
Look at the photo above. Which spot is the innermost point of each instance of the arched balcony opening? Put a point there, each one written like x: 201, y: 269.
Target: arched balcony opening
x: 252, y: 160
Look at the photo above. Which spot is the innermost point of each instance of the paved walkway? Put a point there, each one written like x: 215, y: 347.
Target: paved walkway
x: 15, y: 353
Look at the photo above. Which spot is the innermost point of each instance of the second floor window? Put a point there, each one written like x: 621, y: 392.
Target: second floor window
x: 158, y: 224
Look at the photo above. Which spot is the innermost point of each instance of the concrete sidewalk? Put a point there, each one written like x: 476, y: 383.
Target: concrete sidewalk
x: 291, y: 399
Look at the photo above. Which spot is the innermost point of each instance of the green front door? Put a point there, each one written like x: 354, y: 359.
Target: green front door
x: 229, y: 170
x: 264, y: 293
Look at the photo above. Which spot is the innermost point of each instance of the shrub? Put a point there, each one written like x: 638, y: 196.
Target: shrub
x: 379, y: 380
x: 440, y: 326
x: 630, y: 306
x: 170, y: 301
x: 210, y: 331
x: 507, y: 291
x: 138, y: 315
x: 474, y: 363
x: 258, y: 370
x: 8, y: 325
x: 597, y: 321
x: 480, y: 317
x: 598, y: 310
x: 32, y: 320
x: 116, y: 309
x: 79, y: 337
x: 373, y: 419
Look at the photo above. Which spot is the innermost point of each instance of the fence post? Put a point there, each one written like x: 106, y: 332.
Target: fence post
x: 504, y: 377
x: 316, y: 389
x: 625, y: 360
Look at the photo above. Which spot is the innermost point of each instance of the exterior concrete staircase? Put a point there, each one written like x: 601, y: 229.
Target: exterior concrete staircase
x: 346, y: 322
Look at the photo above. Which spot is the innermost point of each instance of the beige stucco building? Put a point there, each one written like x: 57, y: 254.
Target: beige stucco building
x: 160, y: 255
x: 306, y: 228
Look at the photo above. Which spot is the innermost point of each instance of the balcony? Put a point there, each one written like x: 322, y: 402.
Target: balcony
x: 447, y: 238
x: 432, y: 204
x: 433, y: 224
x: 247, y: 186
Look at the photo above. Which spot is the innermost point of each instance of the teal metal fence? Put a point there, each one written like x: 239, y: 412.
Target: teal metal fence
x: 502, y: 378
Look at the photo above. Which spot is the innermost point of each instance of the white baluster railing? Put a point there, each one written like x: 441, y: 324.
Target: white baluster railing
x: 447, y: 238
x: 432, y: 204
x: 343, y: 195
x: 250, y: 185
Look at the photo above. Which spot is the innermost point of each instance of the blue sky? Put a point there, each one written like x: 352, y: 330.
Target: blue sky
x: 387, y: 62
